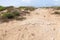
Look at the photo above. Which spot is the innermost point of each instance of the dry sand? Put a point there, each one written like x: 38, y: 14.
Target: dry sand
x: 39, y: 25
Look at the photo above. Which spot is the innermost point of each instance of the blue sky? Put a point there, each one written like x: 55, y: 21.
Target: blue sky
x: 36, y: 3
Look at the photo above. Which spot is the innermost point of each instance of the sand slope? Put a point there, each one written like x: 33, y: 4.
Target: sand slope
x: 40, y: 25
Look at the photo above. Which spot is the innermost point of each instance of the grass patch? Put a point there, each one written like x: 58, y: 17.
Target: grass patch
x: 7, y: 16
x: 27, y: 8
x: 2, y: 8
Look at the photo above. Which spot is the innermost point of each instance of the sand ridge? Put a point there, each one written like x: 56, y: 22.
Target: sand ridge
x: 40, y: 25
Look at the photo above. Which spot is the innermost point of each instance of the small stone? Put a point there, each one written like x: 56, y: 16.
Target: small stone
x: 19, y: 29
x: 33, y: 34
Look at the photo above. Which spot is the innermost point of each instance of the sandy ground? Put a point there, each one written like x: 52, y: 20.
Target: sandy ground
x: 39, y: 25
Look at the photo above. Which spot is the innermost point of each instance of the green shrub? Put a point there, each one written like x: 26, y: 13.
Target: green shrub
x: 27, y: 8
x: 7, y: 16
x: 16, y: 13
x: 57, y: 8
x: 2, y: 8
x: 31, y: 9
x: 56, y: 12
x: 10, y: 15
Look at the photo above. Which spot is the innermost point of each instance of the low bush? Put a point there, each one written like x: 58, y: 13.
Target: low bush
x: 20, y: 18
x: 2, y: 8
x: 10, y: 15
x: 56, y: 12
x: 31, y: 9
x: 16, y: 13
x: 27, y: 8
x: 7, y: 16
x: 57, y: 8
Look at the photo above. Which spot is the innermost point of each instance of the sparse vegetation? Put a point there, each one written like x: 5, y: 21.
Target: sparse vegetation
x: 2, y: 8
x: 58, y: 8
x: 10, y: 16
x: 56, y: 12
x: 53, y: 7
x: 7, y: 16
x: 27, y: 8
x: 16, y: 13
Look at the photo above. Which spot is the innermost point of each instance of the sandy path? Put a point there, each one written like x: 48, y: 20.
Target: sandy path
x: 40, y: 25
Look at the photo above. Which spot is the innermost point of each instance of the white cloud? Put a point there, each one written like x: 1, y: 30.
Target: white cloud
x: 56, y: 0
x: 27, y: 1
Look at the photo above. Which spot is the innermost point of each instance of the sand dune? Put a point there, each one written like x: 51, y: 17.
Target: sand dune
x: 39, y: 25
